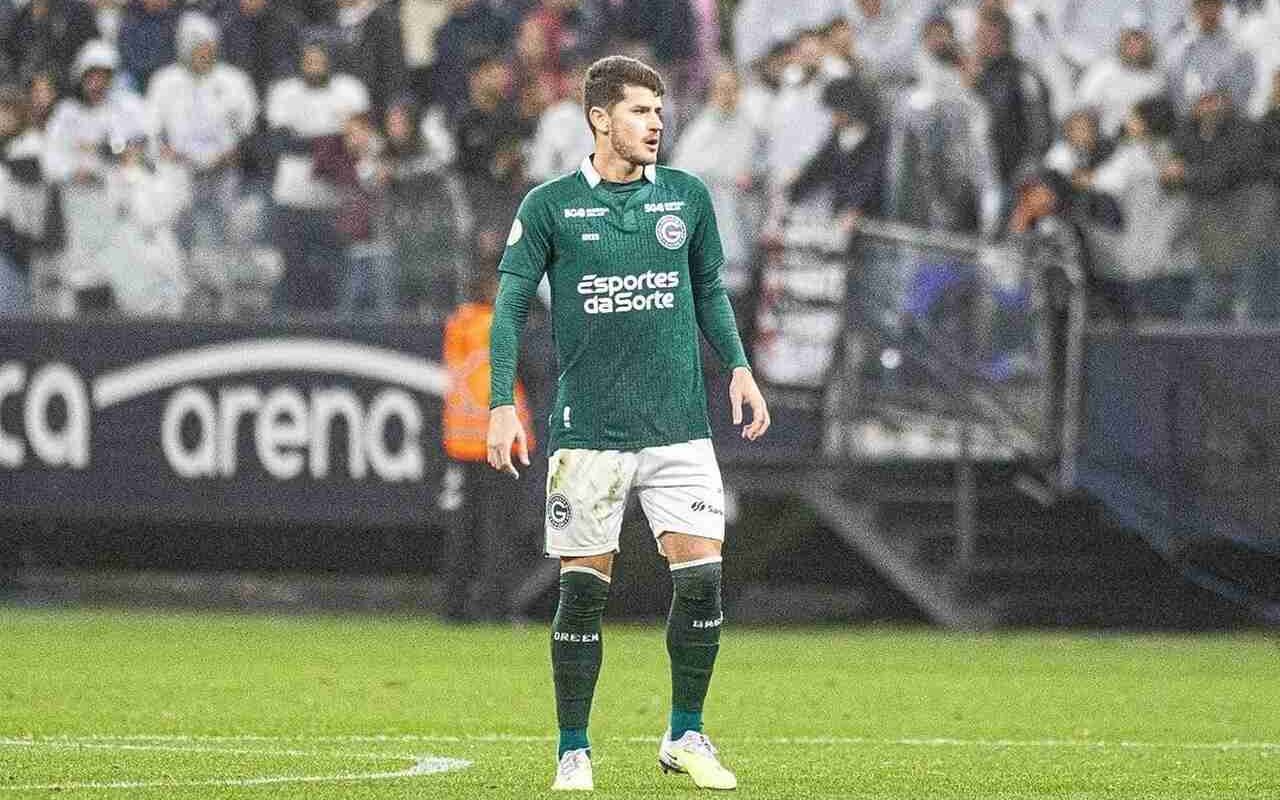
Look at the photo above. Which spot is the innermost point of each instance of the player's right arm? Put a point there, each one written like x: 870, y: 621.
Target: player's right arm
x: 523, y: 263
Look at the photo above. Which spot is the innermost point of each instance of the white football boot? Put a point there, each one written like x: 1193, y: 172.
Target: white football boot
x: 574, y: 772
x: 694, y: 754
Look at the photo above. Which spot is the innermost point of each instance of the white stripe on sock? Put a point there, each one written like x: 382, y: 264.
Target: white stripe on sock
x: 588, y: 571
x: 696, y: 563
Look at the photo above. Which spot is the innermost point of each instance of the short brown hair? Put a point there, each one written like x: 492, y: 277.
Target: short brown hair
x: 608, y: 78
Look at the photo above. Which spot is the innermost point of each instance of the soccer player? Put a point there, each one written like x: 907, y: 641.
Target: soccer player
x: 633, y: 256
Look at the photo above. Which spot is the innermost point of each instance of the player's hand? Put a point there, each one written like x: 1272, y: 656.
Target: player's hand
x: 743, y: 389
x: 504, y: 430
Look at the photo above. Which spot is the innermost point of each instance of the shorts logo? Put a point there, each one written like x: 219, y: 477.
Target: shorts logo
x: 702, y: 506
x: 559, y: 512
x: 671, y: 232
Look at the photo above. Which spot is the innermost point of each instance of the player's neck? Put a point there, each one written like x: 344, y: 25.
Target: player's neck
x: 614, y: 168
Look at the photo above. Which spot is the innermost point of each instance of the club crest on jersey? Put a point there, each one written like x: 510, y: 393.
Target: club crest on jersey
x: 671, y: 232
x: 559, y: 512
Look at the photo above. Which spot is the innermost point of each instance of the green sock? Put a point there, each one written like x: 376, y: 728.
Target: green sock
x: 576, y: 652
x: 572, y: 739
x: 693, y: 640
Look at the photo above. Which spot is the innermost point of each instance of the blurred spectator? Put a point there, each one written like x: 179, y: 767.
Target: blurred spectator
x: 721, y: 146
x: 887, y: 32
x: 35, y: 207
x: 850, y: 168
x: 490, y: 146
x: 1270, y: 127
x: 42, y: 95
x: 474, y: 30
x: 369, y: 48
x: 1233, y: 209
x: 480, y: 561
x: 1082, y: 147
x: 1207, y: 57
x: 28, y: 200
x: 839, y: 57
x: 201, y: 110
x: 1033, y: 39
x: 48, y: 34
x: 78, y: 157
x: 148, y: 39
x: 142, y: 258
x: 15, y: 286
x: 755, y: 30
x: 109, y: 14
x: 1147, y: 267
x: 1086, y: 29
x: 1259, y: 34
x: 419, y: 22
x: 1116, y: 83
x: 83, y: 127
x: 315, y: 103
x: 261, y: 37
x: 798, y: 123
x: 1044, y: 227
x: 567, y: 33
x: 943, y: 169
x: 562, y: 137
x: 431, y: 219
x: 758, y: 88
x: 353, y: 162
x: 1017, y: 100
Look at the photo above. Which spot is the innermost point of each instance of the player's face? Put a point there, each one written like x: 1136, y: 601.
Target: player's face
x: 635, y: 126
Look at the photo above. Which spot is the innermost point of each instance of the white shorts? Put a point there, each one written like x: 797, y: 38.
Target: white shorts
x: 679, y: 485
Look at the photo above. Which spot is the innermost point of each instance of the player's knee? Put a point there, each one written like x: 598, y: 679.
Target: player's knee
x: 583, y: 595
x: 698, y: 586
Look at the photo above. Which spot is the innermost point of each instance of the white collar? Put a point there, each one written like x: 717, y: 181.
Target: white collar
x: 593, y: 177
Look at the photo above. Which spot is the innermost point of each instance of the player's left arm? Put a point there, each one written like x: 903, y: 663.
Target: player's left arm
x: 716, y: 319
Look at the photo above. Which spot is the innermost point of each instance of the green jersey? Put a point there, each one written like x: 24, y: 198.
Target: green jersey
x: 634, y: 271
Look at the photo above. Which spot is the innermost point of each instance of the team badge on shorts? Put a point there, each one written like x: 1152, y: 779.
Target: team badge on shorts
x: 671, y: 232
x: 559, y: 512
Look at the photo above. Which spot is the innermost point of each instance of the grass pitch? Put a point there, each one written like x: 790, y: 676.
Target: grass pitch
x: 112, y: 704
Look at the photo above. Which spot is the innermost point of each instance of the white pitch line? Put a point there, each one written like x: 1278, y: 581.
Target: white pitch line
x: 425, y: 766
x: 499, y: 738
x: 422, y: 765
x: 74, y: 744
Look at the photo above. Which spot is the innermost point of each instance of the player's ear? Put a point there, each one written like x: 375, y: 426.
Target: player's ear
x: 599, y: 119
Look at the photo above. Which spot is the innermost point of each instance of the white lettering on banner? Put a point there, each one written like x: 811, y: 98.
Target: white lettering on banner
x: 284, y: 425
x: 197, y: 461
x: 610, y: 294
x: 64, y: 446
x: 405, y: 465
x: 12, y: 378
x: 281, y: 430
x: 328, y: 405
x: 294, y: 434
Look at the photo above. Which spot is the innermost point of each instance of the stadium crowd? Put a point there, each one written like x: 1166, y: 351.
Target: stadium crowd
x: 231, y: 158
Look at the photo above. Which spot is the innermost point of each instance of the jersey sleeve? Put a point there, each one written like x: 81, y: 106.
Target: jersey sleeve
x: 529, y: 244
x: 710, y: 300
x: 706, y: 254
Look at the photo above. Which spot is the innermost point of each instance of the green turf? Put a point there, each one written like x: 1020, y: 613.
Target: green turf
x: 171, y: 700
